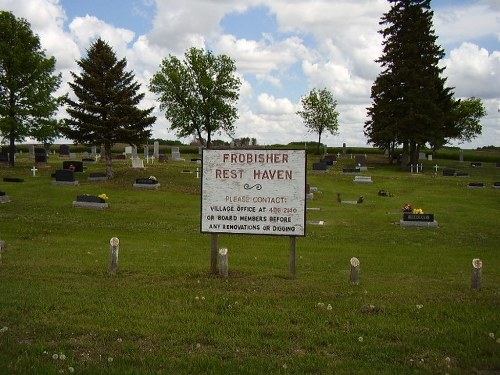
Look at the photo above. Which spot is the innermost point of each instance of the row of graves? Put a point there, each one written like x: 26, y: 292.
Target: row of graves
x: 449, y: 172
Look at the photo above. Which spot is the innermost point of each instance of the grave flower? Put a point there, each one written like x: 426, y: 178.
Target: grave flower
x: 153, y: 178
x: 407, y: 208
x: 103, y: 196
x: 418, y: 211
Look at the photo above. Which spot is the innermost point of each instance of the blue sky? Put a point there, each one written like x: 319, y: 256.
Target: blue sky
x: 282, y: 49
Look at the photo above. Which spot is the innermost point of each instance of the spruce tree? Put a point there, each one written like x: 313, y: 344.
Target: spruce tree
x: 411, y: 104
x: 106, y: 110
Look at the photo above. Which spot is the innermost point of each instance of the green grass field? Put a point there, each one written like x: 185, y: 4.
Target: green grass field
x: 413, y: 312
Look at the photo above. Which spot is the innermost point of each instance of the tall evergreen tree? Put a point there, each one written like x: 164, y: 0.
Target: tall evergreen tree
x: 106, y: 110
x: 27, y: 84
x: 411, y: 105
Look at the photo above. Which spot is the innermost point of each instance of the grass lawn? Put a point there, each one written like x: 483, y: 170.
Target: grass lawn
x: 413, y: 312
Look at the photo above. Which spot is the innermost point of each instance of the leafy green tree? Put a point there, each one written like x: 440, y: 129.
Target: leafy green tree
x: 411, y: 104
x: 106, y: 110
x: 198, y: 94
x: 319, y: 113
x: 468, y: 115
x: 27, y: 84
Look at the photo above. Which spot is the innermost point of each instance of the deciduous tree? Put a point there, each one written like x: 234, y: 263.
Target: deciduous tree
x: 27, y: 85
x: 319, y: 113
x: 198, y: 94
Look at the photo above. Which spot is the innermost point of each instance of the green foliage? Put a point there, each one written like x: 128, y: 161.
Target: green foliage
x: 198, y: 94
x: 411, y: 105
x: 413, y: 312
x: 468, y: 115
x: 319, y: 112
x: 27, y: 84
x: 106, y: 110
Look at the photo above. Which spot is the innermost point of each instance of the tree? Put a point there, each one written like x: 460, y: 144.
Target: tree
x: 411, y: 104
x: 27, y: 84
x: 468, y: 115
x: 319, y: 112
x: 106, y: 109
x: 198, y: 94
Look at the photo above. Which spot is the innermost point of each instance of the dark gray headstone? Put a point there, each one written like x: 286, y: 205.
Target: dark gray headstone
x: 418, y: 217
x: 65, y: 175
x: 64, y: 150
x: 448, y: 172
x: 319, y: 166
x: 89, y: 198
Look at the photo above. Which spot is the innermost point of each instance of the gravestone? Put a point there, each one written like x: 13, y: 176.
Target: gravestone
x: 418, y: 220
x: 156, y: 149
x: 461, y: 155
x: 462, y: 174
x: 74, y: 165
x: 128, y: 150
x: 64, y: 177
x: 176, y: 154
x: 147, y: 183
x: 13, y: 179
x: 351, y: 170
x: 476, y: 185
x: 31, y: 151
x: 422, y: 156
x: 360, y: 161
x: 4, y: 158
x: 449, y: 172
x: 134, y: 152
x: 344, y: 149
x: 64, y: 150
x: 118, y: 156
x: 163, y: 158
x: 97, y: 176
x: 40, y: 156
x: 476, y: 165
x: 146, y: 152
x: 496, y: 185
x: 90, y: 201
x: 319, y: 167
x: 4, y: 198
x: 363, y: 179
x: 137, y: 163
x: 93, y: 152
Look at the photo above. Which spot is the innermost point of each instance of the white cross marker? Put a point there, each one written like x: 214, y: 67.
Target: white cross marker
x: 34, y: 171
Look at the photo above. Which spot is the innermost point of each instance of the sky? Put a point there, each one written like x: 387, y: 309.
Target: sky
x: 282, y: 49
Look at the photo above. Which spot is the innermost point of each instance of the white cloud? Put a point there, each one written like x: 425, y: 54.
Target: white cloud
x: 473, y: 71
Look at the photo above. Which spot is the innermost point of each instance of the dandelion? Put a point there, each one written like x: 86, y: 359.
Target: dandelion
x: 197, y: 298
x: 203, y: 298
x: 321, y: 304
x: 198, y: 345
x: 71, y: 369
x: 62, y: 357
x: 55, y: 356
x: 110, y: 359
x: 4, y: 329
x: 419, y: 306
x: 360, y: 339
x: 119, y: 339
x: 492, y: 335
x: 329, y: 307
x: 448, y: 359
x: 285, y: 366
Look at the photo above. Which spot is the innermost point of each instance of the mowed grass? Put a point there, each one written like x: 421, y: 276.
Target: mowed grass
x: 163, y: 312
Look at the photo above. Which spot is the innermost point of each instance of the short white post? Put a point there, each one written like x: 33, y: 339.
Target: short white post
x: 113, y: 255
x: 355, y: 268
x: 197, y: 173
x: 477, y: 274
x: 411, y: 168
x: 223, y: 262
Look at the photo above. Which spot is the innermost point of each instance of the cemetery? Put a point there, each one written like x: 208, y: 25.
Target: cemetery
x: 130, y: 288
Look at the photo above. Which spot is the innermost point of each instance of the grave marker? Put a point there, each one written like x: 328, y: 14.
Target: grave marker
x: 223, y: 262
x: 355, y: 269
x: 64, y: 177
x: 114, y: 248
x: 477, y: 274
x: 4, y: 198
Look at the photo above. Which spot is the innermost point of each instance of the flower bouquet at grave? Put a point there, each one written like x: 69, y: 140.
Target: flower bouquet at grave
x: 418, y: 211
x: 383, y: 193
x: 153, y: 178
x: 103, y: 196
x: 407, y: 208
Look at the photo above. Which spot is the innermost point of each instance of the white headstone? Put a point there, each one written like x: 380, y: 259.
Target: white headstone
x: 156, y: 149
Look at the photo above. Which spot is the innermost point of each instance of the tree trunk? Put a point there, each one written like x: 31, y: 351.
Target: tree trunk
x: 12, y: 149
x: 404, y: 157
x: 109, y: 162
x: 319, y: 142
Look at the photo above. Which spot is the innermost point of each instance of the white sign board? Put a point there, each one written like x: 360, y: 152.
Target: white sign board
x: 254, y: 192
